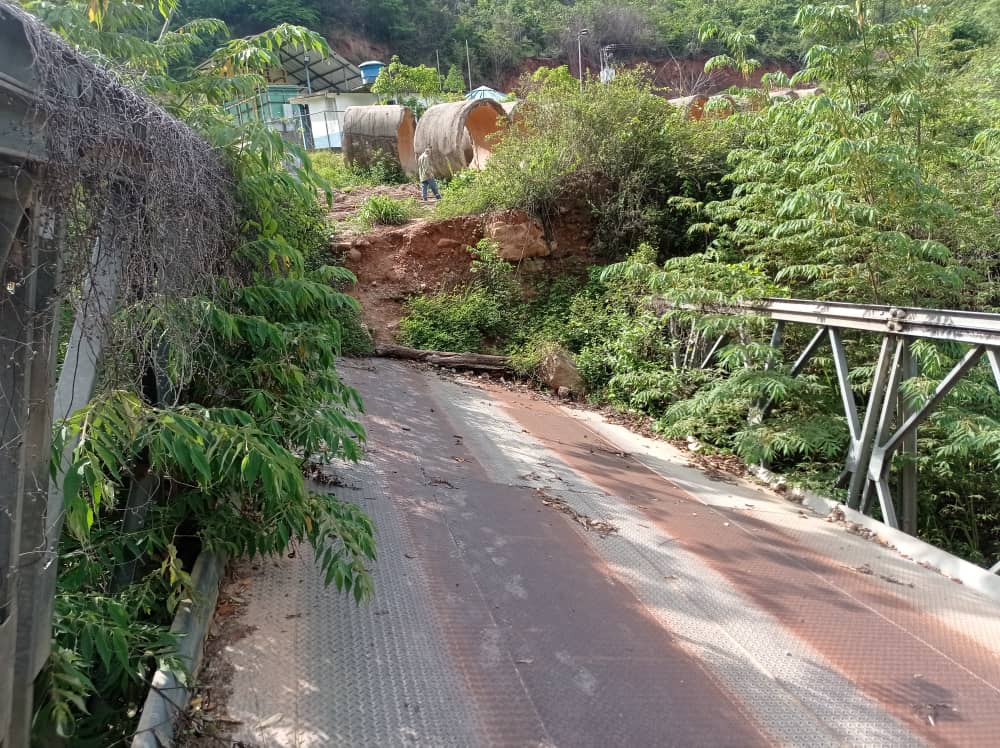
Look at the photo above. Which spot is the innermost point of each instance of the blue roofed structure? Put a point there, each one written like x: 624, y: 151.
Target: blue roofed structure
x: 485, y: 92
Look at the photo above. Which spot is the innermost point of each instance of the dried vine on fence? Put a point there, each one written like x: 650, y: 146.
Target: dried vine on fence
x: 121, y: 168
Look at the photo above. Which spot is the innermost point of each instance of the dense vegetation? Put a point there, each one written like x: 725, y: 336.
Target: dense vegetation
x: 619, y: 147
x: 885, y: 188
x: 502, y: 34
x: 253, y: 393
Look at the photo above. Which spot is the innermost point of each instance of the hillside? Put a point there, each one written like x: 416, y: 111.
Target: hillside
x: 505, y: 37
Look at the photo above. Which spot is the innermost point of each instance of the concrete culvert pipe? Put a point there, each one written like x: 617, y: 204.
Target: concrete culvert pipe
x: 721, y: 106
x: 374, y: 132
x: 512, y: 108
x: 692, y: 106
x: 459, y: 134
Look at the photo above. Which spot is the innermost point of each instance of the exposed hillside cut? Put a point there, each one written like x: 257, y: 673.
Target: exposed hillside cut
x: 393, y: 263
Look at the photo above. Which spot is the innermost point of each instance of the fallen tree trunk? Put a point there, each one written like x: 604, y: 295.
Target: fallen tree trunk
x: 473, y: 361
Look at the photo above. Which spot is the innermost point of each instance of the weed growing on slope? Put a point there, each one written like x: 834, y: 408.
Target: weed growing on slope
x: 379, y: 210
x: 471, y: 319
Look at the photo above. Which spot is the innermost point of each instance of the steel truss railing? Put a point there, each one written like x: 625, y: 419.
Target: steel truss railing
x: 890, y: 422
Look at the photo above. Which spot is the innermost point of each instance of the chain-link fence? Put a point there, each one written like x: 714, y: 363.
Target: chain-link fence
x: 312, y: 130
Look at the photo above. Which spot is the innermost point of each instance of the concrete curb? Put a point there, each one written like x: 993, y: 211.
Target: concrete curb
x: 167, y: 697
x: 974, y: 577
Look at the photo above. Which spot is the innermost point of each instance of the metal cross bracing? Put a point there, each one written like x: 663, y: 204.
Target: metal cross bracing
x: 889, y: 423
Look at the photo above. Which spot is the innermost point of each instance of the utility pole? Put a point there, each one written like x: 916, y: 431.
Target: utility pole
x: 305, y: 61
x: 468, y: 62
x: 579, y: 53
x: 437, y: 53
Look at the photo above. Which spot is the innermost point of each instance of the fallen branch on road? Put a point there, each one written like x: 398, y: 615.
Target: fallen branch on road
x: 473, y: 361
x: 599, y: 526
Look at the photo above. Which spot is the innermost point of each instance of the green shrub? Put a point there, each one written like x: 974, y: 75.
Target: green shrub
x: 619, y: 147
x: 304, y: 225
x: 332, y: 167
x: 355, y: 339
x: 379, y: 210
x: 383, y: 170
x: 527, y: 359
x: 486, y: 312
x: 459, y: 321
x: 493, y: 273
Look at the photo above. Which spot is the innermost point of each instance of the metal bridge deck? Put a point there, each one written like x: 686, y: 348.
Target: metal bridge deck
x: 715, y: 615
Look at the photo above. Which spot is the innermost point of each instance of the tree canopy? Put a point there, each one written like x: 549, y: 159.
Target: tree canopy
x: 502, y: 34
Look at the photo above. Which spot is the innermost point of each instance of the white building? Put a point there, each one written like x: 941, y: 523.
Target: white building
x: 324, y: 113
x: 306, y: 97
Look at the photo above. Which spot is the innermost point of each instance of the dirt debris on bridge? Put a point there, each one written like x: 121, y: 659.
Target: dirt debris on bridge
x: 427, y: 254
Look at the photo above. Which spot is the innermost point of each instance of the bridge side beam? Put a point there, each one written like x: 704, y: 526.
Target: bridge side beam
x: 17, y: 301
x: 32, y: 633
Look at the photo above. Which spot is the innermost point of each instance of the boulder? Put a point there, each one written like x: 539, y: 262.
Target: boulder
x: 354, y: 254
x: 558, y: 370
x: 447, y: 243
x: 518, y: 234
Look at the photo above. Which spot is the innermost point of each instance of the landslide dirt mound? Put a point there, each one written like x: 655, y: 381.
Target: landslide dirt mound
x: 393, y: 263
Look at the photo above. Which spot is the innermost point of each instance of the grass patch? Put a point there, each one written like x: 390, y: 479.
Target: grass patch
x: 355, y: 338
x: 379, y: 210
x: 332, y: 167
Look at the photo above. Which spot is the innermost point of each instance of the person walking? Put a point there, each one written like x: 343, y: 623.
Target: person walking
x: 425, y: 172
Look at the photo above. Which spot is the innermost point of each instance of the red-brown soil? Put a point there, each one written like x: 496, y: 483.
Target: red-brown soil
x: 393, y: 263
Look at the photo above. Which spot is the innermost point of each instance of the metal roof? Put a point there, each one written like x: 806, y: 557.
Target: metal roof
x: 485, y: 92
x: 325, y: 73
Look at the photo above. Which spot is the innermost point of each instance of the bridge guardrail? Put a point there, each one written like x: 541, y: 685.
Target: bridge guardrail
x: 889, y: 423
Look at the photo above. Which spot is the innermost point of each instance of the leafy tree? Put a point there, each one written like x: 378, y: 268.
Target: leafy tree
x: 252, y: 365
x: 454, y: 82
x: 846, y: 195
x: 398, y: 80
x: 738, y: 43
